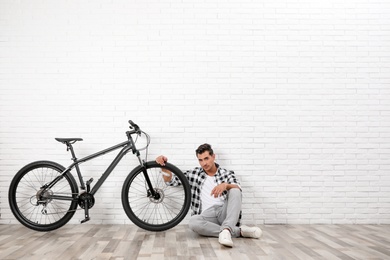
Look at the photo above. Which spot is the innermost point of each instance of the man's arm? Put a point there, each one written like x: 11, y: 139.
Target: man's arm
x: 229, y: 181
x: 219, y: 189
x: 167, y: 175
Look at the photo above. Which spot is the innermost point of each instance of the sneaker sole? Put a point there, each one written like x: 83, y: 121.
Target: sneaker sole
x: 255, y: 234
x: 227, y: 244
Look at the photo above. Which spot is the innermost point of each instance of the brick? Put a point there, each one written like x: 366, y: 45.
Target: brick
x: 293, y: 96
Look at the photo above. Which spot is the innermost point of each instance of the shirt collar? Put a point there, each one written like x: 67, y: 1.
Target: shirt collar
x: 216, y: 164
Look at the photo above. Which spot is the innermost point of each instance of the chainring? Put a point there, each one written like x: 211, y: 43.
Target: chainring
x: 86, y: 197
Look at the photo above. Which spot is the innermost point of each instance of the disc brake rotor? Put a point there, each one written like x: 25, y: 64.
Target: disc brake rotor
x: 158, y: 198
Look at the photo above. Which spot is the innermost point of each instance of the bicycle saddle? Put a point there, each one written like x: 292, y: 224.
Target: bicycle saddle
x: 68, y: 140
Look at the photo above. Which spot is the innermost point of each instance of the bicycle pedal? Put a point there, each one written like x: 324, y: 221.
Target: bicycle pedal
x: 89, y: 184
x: 85, y: 220
x: 89, y: 181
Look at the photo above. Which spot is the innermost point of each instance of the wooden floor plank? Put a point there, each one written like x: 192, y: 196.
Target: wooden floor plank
x: 123, y: 242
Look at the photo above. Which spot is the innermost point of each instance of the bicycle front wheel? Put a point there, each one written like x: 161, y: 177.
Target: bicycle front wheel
x: 164, y: 210
x: 39, y: 208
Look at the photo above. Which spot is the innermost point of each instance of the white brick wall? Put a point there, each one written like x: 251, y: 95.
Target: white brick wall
x: 293, y: 95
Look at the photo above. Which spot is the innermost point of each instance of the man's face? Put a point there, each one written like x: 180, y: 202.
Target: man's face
x: 206, y: 160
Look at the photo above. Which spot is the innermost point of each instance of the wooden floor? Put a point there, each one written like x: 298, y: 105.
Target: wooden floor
x: 131, y: 242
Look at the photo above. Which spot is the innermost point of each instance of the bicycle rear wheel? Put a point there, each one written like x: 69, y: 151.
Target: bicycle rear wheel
x: 159, y: 213
x: 38, y: 208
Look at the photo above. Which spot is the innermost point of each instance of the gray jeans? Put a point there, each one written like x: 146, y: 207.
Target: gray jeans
x: 216, y: 218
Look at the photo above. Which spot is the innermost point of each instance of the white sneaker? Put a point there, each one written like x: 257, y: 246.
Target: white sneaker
x: 225, y: 238
x: 252, y: 232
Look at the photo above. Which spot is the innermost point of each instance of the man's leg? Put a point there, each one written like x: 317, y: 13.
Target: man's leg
x: 228, y: 214
x: 207, y: 223
x: 217, y: 218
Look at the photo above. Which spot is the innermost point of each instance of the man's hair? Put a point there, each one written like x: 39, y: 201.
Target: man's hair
x: 203, y: 148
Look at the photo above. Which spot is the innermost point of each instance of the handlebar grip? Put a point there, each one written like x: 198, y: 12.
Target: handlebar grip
x: 136, y: 127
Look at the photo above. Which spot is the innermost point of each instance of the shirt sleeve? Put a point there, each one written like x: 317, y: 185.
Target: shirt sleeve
x: 175, y: 181
x: 231, y: 179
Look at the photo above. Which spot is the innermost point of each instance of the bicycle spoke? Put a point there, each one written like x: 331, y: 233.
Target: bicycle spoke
x: 36, y: 206
x: 150, y: 210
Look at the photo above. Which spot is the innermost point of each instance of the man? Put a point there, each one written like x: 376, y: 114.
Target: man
x: 216, y: 199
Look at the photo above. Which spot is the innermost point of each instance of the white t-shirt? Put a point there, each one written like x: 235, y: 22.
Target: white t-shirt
x: 207, y: 199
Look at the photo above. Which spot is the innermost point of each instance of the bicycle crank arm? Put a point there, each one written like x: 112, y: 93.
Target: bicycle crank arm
x: 86, y: 212
x: 86, y: 201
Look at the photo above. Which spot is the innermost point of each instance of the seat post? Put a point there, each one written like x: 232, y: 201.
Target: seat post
x: 74, y: 158
x: 70, y: 147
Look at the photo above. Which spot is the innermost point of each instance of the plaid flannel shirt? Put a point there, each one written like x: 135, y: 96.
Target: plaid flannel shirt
x: 196, y: 179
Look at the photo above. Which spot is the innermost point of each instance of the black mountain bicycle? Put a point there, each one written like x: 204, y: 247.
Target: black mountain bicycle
x: 44, y: 195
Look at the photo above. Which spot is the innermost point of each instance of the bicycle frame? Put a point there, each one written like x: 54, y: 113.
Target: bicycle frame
x: 126, y: 147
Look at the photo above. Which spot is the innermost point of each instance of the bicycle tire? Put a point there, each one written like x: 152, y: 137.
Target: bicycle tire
x: 150, y: 213
x: 48, y: 213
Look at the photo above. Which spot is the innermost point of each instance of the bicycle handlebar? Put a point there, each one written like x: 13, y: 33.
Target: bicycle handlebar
x: 136, y: 130
x: 134, y: 126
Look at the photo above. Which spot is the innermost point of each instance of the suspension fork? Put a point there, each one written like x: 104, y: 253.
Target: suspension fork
x: 151, y: 190
x: 142, y: 163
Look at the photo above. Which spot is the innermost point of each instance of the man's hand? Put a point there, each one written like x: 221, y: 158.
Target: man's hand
x: 161, y: 160
x: 167, y: 175
x: 217, y: 191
